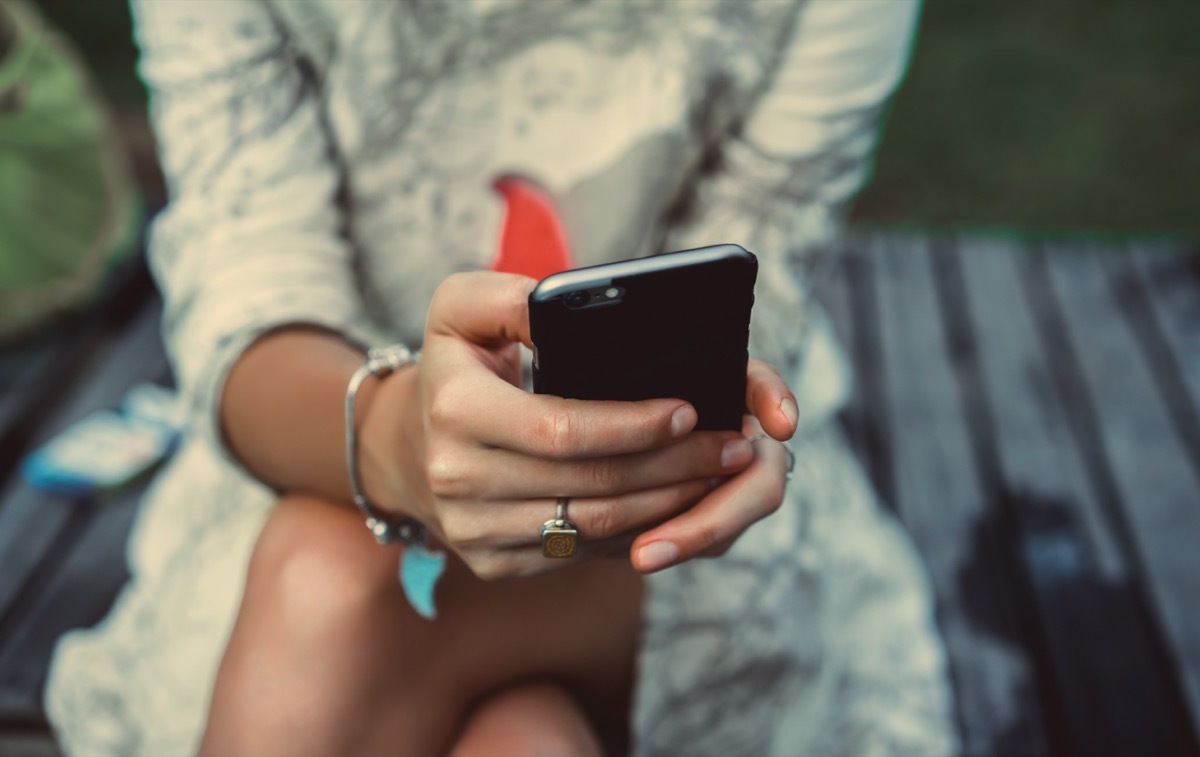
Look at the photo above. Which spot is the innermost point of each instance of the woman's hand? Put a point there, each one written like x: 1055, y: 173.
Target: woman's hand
x: 712, y: 526
x: 456, y: 443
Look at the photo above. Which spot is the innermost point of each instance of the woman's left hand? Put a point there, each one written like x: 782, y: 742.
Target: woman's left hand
x: 714, y: 523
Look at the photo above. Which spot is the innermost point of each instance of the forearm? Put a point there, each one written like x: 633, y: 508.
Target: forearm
x: 282, y: 410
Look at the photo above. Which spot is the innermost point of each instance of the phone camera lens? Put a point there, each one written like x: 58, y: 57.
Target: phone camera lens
x: 578, y: 299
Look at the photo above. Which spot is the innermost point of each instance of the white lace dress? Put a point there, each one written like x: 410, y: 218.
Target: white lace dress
x: 331, y: 162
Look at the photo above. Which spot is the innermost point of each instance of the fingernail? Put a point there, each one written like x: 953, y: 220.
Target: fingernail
x: 683, y: 420
x: 736, y: 452
x: 657, y: 556
x: 788, y: 408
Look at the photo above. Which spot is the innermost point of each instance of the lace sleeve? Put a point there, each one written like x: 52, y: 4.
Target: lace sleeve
x: 250, y: 239
x: 785, y: 179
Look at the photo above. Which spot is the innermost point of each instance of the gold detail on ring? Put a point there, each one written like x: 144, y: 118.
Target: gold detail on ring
x: 558, y: 541
x: 559, y: 535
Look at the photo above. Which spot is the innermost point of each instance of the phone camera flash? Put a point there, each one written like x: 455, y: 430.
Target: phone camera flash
x: 611, y: 292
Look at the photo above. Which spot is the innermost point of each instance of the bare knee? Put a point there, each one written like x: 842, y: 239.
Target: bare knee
x: 315, y: 564
x: 529, y: 719
x: 308, y: 652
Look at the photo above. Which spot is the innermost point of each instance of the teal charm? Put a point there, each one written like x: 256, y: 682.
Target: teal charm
x: 420, y: 570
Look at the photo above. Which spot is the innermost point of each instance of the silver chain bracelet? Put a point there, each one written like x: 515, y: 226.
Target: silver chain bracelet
x: 381, y: 362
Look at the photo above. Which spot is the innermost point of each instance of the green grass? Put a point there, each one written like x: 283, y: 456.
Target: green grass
x: 1035, y: 116
x: 1047, y: 117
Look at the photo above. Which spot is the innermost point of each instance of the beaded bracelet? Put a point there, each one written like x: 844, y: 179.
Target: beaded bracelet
x: 420, y: 567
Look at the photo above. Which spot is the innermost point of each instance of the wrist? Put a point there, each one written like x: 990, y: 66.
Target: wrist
x: 420, y: 567
x: 388, y: 423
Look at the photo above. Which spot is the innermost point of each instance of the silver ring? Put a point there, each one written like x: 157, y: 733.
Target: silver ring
x: 786, y: 448
x: 559, y: 535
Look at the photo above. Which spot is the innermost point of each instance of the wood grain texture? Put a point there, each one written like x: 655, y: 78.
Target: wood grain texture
x: 31, y: 520
x: 75, y: 591
x: 1163, y: 288
x: 1030, y: 427
x: 1152, y: 472
x: 37, y: 374
x: 942, y: 503
x: 1070, y: 549
x: 836, y: 297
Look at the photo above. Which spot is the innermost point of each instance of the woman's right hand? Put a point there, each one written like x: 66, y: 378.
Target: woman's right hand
x: 456, y: 443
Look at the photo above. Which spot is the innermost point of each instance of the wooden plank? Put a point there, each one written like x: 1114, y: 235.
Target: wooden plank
x: 1070, y: 548
x: 866, y: 413
x: 1039, y: 459
x: 1162, y: 289
x: 1152, y: 473
x: 36, y: 374
x: 940, y: 499
x: 30, y: 520
x: 834, y: 295
x: 76, y: 592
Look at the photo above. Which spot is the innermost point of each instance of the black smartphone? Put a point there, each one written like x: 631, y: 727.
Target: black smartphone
x: 672, y: 325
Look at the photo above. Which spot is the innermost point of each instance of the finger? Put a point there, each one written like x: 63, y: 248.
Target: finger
x: 720, y: 517
x: 482, y: 307
x: 472, y: 314
x: 494, y: 413
x: 770, y: 401
x: 530, y: 560
x: 498, y: 475
x: 599, y: 520
x: 523, y: 562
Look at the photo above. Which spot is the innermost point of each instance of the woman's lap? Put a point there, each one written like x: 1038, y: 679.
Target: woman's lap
x: 327, y: 653
x: 763, y: 621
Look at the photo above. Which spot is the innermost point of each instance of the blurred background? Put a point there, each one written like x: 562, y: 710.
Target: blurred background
x: 1035, y: 116
x: 1028, y: 401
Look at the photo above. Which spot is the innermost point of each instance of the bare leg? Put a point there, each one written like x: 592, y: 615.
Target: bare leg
x: 534, y: 719
x: 327, y: 657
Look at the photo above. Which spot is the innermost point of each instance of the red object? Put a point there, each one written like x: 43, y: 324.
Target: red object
x: 532, y: 241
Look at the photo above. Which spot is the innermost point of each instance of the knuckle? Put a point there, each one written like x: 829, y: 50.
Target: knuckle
x: 555, y: 432
x: 451, y: 285
x: 519, y: 288
x: 604, y: 520
x: 718, y: 550
x: 443, y: 294
x: 706, y: 537
x: 444, y: 407
x: 488, y: 567
x: 447, y: 477
x: 778, y: 493
x: 606, y: 474
x: 711, y: 552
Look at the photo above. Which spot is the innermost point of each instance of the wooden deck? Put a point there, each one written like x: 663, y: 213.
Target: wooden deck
x: 1029, y: 410
x: 62, y: 560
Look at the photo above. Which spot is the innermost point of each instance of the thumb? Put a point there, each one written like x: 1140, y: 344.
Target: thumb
x: 483, y: 307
